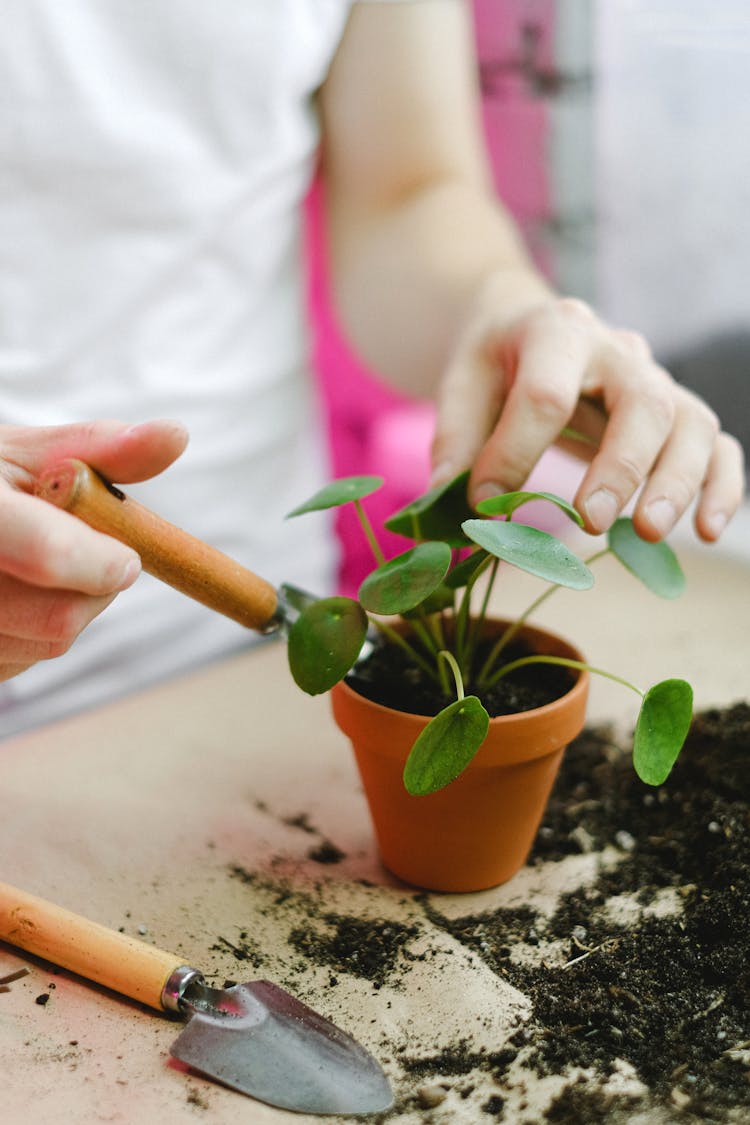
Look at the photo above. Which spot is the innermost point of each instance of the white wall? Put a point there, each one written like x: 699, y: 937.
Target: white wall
x: 672, y: 156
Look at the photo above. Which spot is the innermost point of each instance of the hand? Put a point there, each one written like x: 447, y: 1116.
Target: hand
x: 512, y: 388
x: 56, y: 573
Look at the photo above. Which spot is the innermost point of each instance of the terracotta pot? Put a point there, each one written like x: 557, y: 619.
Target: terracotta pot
x: 478, y: 831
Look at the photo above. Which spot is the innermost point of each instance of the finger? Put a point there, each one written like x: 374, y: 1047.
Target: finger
x: 133, y: 454
x: 639, y: 399
x: 8, y: 671
x: 36, y: 623
x: 18, y: 651
x: 553, y: 354
x: 119, y: 451
x: 723, y: 488
x: 46, y: 547
x: 467, y: 402
x: 680, y: 469
x: 585, y: 429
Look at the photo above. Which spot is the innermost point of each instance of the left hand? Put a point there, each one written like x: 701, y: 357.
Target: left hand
x: 512, y: 387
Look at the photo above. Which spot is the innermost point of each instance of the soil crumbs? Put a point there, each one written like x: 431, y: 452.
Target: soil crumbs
x: 639, y: 980
x: 667, y: 992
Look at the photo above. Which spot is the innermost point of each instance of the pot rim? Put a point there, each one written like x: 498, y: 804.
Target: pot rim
x: 547, y: 716
x: 560, y: 647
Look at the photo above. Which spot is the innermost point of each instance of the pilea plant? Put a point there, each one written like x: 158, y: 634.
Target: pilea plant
x: 432, y: 586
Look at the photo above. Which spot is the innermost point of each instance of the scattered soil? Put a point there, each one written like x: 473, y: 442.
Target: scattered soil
x: 639, y: 978
x: 358, y: 946
x: 388, y: 677
x: 670, y: 993
x: 326, y: 853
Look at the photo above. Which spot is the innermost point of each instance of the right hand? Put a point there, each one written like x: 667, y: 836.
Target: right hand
x: 56, y: 573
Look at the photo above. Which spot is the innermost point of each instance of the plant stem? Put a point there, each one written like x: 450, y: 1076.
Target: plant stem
x: 565, y: 662
x: 421, y: 629
x: 576, y: 435
x: 475, y: 628
x: 450, y: 659
x: 520, y: 621
x: 462, y: 616
x: 598, y: 555
x: 435, y: 622
x: 395, y: 637
x: 369, y: 533
x: 425, y: 630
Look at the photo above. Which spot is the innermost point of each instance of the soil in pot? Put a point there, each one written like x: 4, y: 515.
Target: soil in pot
x: 389, y: 678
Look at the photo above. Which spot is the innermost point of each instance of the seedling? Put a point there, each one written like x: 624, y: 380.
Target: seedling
x: 432, y: 586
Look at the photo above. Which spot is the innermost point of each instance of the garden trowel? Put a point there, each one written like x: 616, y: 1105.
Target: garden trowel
x: 171, y: 554
x: 252, y: 1037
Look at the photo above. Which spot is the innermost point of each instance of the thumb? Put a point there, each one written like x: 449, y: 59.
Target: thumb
x: 45, y: 547
x: 121, y: 452
x: 467, y: 405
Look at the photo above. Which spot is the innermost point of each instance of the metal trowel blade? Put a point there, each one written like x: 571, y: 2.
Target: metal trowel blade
x: 260, y: 1040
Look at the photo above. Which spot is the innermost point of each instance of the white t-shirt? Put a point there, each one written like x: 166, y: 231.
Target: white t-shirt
x: 154, y: 158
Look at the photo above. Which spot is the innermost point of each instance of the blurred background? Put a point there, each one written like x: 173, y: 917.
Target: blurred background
x: 619, y: 134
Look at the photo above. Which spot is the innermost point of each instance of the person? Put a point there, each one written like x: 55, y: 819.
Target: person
x: 155, y: 168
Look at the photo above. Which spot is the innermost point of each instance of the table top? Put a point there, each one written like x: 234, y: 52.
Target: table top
x: 220, y: 816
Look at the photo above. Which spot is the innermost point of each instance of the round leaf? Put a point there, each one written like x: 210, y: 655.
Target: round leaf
x: 532, y: 550
x: 661, y: 730
x: 446, y: 746
x: 435, y: 515
x: 338, y: 492
x: 324, y: 642
x: 464, y: 571
x: 655, y: 564
x: 507, y: 502
x: 404, y: 582
x: 441, y: 598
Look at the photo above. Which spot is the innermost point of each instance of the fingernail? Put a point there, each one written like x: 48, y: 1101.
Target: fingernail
x: 715, y: 523
x: 129, y: 574
x: 662, y: 515
x: 602, y: 508
x: 173, y: 424
x: 486, y: 489
x: 441, y: 473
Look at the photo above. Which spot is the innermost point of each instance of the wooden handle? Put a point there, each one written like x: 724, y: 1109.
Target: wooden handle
x: 174, y: 556
x: 130, y: 967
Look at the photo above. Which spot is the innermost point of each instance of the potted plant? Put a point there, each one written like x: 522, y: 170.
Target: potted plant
x: 458, y: 721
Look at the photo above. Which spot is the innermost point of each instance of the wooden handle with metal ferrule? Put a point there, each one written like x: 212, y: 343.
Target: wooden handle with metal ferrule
x: 125, y: 964
x: 171, y: 554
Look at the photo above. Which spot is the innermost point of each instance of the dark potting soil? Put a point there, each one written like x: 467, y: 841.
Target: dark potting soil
x: 669, y: 994
x: 368, y: 949
x: 388, y: 677
x: 662, y: 989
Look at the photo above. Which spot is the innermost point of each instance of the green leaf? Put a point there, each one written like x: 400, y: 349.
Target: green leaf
x: 440, y: 599
x: 661, y: 730
x: 324, y: 642
x: 655, y: 564
x: 446, y: 746
x: 532, y: 550
x: 507, y: 502
x: 463, y: 572
x: 404, y: 582
x: 436, y: 515
x: 338, y: 492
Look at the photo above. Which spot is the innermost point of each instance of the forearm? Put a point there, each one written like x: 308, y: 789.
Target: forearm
x: 436, y: 292
x: 414, y: 229
x: 406, y: 275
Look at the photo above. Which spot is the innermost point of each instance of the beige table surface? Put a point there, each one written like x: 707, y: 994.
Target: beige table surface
x: 191, y: 814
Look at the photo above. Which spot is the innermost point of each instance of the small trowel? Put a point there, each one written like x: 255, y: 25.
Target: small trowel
x: 253, y: 1037
x: 171, y: 554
